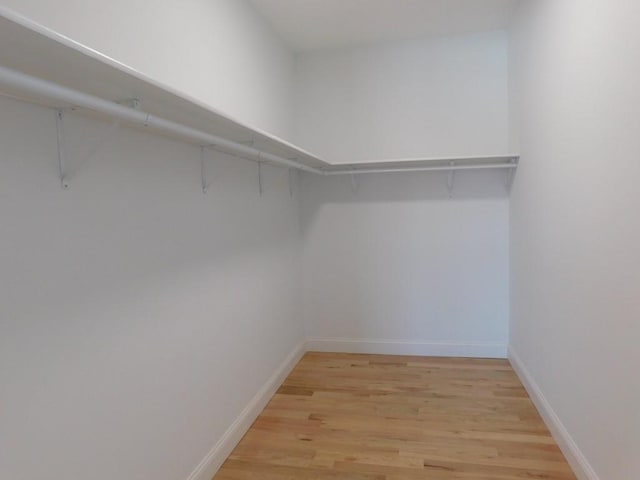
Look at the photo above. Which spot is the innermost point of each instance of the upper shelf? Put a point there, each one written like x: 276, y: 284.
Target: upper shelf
x: 42, y: 66
x: 30, y: 48
x: 508, y: 161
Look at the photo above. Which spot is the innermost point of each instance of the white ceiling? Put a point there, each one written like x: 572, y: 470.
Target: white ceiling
x: 317, y: 24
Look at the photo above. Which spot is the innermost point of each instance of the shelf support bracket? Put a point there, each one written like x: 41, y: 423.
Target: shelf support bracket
x: 203, y: 172
x: 61, y: 152
x: 510, y: 174
x: 260, y: 178
x: 450, y: 179
x: 65, y: 172
x: 133, y: 103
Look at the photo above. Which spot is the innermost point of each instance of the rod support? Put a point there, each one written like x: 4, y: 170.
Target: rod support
x: 203, y: 172
x: 61, y: 151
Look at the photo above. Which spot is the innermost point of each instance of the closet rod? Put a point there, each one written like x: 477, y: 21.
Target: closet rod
x: 57, y: 93
x: 445, y: 168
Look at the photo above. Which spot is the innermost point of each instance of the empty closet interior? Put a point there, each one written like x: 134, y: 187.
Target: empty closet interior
x: 196, y: 194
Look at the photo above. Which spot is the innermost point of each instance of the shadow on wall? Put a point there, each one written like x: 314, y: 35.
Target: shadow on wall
x: 409, y: 187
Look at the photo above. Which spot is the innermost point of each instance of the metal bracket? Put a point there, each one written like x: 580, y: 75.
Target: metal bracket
x: 61, y: 152
x: 510, y: 174
x: 203, y: 172
x: 65, y: 173
x: 133, y: 103
x: 450, y: 179
x: 260, y: 178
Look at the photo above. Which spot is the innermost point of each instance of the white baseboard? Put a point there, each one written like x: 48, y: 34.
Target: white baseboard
x: 573, y: 454
x: 223, y: 448
x: 406, y: 347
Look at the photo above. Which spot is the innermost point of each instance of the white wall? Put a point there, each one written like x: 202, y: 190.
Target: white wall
x: 398, y: 267
x: 575, y: 229
x: 433, y: 97
x: 138, y: 316
x: 218, y: 51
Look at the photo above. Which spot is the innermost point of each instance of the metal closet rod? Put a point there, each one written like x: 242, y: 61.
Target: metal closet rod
x: 53, y: 91
x: 433, y: 168
x: 57, y: 93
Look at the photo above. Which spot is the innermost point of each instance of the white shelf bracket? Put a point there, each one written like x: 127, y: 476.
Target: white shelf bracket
x: 203, y: 171
x: 260, y: 178
x: 65, y: 172
x: 133, y: 103
x: 61, y: 152
x: 510, y: 174
x: 450, y: 179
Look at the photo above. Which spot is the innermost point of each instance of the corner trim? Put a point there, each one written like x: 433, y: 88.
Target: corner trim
x: 578, y: 462
x: 407, y: 347
x: 225, y: 445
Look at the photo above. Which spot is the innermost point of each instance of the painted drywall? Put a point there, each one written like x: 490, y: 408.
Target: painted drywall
x: 433, y: 97
x: 303, y: 24
x: 138, y: 316
x: 575, y: 231
x: 219, y: 51
x: 399, y: 267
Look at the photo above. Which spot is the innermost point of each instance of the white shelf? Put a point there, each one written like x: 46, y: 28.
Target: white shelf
x: 507, y: 161
x: 32, y: 49
x: 41, y: 66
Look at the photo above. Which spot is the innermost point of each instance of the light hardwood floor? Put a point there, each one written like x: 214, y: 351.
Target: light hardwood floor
x: 378, y: 417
